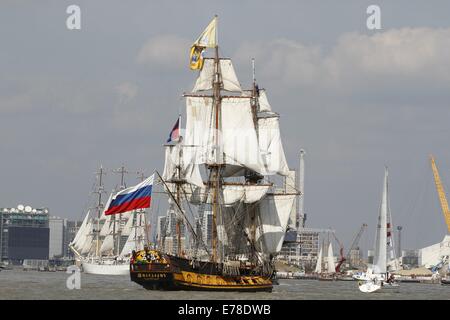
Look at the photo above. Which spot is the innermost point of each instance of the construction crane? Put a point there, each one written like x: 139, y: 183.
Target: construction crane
x: 441, y: 193
x: 355, y: 242
x: 341, y: 254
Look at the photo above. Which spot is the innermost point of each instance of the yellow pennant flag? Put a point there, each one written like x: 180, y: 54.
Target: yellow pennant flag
x: 196, y: 57
x: 207, y: 39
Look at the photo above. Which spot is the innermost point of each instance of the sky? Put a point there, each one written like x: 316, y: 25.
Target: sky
x: 355, y: 99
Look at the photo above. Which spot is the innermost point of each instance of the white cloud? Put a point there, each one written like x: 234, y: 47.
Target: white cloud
x: 164, y: 50
x: 398, y: 57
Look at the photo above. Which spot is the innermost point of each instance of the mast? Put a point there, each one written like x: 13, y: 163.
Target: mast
x: 141, y: 176
x: 301, y: 218
x: 99, y: 209
x: 122, y: 172
x: 215, y: 177
x: 178, y: 196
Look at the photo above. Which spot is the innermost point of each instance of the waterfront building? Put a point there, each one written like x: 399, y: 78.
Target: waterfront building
x: 167, y: 236
x: 24, y: 234
x: 433, y: 255
x: 301, y: 248
x: 57, y: 237
x: 206, y: 222
x: 355, y: 257
x: 410, y: 259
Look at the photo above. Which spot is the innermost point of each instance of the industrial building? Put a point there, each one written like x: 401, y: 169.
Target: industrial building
x: 24, y: 234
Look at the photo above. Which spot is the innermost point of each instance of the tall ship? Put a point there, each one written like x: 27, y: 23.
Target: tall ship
x: 103, y: 243
x: 220, y: 178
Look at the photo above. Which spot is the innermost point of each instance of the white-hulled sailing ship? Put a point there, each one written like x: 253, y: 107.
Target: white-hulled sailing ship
x: 384, y: 261
x: 232, y: 136
x: 97, y: 244
x: 329, y: 271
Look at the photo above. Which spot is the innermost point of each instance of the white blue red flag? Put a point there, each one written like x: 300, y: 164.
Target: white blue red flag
x: 132, y: 198
x: 175, y: 133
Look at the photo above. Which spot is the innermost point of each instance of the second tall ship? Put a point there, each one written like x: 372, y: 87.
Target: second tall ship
x: 99, y: 245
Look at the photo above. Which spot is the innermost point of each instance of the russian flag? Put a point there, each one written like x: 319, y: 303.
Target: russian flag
x: 132, y: 198
x: 175, y: 133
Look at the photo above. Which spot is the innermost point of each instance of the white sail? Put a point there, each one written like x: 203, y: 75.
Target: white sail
x: 80, y: 237
x: 380, y: 259
x: 190, y: 172
x: 129, y: 224
x: 239, y: 138
x: 87, y: 243
x: 198, y: 134
x: 274, y: 213
x: 106, y: 228
x: 136, y: 237
x: 319, y: 262
x: 206, y: 76
x: 264, y: 104
x: 107, y: 245
x: 270, y: 145
x: 237, y: 142
x: 330, y: 260
x: 391, y: 261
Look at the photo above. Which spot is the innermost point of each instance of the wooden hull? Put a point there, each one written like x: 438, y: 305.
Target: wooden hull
x: 175, y: 273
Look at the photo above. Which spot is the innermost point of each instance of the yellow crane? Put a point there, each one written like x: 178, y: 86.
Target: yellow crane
x: 441, y: 193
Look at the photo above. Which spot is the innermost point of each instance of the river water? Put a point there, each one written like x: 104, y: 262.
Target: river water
x: 18, y: 284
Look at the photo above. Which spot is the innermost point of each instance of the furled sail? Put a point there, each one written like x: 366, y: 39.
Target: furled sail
x: 206, y: 76
x: 274, y: 213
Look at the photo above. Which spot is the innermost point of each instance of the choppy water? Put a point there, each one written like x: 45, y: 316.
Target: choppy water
x: 18, y: 284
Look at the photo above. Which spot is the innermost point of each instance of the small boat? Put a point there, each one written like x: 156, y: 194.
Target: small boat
x: 377, y: 276
x: 445, y: 281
